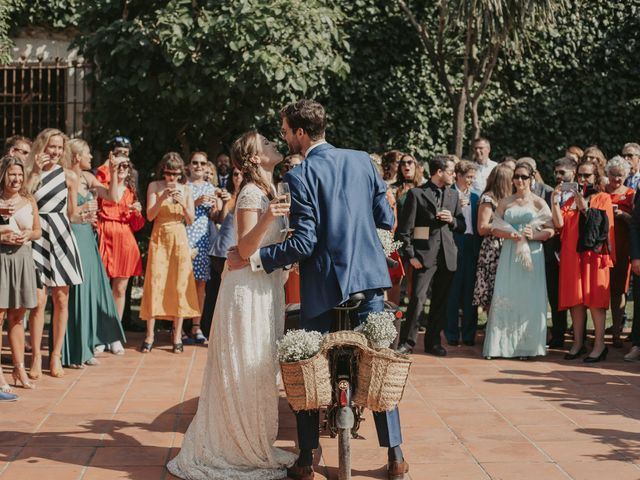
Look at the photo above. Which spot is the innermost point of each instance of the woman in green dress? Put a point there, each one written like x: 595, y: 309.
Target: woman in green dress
x: 93, y: 318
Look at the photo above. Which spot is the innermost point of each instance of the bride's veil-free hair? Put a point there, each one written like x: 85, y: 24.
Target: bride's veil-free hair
x: 242, y: 151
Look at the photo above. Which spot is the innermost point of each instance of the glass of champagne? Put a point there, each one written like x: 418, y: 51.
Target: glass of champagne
x: 285, y: 193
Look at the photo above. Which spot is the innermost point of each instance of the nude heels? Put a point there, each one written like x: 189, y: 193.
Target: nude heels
x: 20, y: 375
x: 56, y: 369
x: 35, y: 372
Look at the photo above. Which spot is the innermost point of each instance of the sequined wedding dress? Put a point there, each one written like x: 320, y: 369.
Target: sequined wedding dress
x: 231, y: 436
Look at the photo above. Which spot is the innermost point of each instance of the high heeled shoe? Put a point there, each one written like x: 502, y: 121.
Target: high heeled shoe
x: 35, y: 372
x: 56, y: 370
x: 178, y: 348
x: 573, y: 356
x: 19, y: 374
x: 599, y: 358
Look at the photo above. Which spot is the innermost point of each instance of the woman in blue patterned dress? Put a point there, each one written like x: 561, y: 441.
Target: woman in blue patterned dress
x: 55, y: 254
x: 206, y: 204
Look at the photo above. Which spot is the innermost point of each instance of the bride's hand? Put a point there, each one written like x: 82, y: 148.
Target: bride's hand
x: 234, y: 260
x: 277, y: 209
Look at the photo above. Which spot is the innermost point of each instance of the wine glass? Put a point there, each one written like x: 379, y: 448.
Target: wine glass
x: 285, y: 193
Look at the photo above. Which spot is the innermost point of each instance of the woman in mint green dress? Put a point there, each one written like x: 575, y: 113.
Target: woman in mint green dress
x: 517, y: 323
x: 93, y: 318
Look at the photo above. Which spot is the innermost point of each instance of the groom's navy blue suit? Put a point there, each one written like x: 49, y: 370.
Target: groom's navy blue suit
x: 337, y: 201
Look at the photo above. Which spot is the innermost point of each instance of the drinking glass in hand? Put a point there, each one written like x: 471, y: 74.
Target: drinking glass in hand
x: 285, y: 198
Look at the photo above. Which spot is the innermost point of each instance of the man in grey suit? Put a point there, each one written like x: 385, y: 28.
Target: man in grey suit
x: 429, y: 217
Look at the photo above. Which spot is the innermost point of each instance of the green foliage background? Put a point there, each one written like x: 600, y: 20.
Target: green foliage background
x: 193, y: 74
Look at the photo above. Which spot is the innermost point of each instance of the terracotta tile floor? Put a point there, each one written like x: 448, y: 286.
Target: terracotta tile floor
x: 463, y: 417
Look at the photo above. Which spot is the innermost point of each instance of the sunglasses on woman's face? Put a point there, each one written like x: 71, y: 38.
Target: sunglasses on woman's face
x: 236, y: 174
x: 584, y: 175
x: 406, y: 164
x: 168, y: 173
x: 201, y: 164
x: 521, y: 177
x: 123, y: 166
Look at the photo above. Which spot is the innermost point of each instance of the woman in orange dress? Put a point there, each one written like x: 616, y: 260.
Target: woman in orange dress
x: 622, y: 198
x: 117, y: 221
x: 586, y: 255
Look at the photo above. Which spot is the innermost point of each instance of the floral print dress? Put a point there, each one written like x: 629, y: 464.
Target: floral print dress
x: 487, y: 264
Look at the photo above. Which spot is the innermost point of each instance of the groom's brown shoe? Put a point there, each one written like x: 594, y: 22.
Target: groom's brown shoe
x: 300, y: 473
x: 396, y: 470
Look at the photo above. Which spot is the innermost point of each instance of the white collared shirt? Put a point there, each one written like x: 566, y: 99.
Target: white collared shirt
x: 482, y: 173
x: 319, y: 142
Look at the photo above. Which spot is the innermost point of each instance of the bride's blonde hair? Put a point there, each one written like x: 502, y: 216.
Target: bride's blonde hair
x: 242, y: 152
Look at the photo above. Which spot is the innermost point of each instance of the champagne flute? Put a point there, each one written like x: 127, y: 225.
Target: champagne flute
x: 285, y: 193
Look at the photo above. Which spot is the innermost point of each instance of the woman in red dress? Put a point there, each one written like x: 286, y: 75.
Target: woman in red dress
x: 586, y: 255
x: 116, y: 223
x: 622, y: 198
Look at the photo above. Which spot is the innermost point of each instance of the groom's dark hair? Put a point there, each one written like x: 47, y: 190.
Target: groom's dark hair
x: 307, y: 115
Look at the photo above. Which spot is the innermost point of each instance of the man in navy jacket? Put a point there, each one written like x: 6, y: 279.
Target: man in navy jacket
x: 337, y: 201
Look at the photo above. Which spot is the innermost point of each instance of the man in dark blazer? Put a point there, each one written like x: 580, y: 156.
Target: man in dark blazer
x: 468, y: 244
x: 337, y: 201
x: 429, y: 217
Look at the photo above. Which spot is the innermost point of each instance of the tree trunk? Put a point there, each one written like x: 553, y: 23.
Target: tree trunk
x: 475, y: 119
x: 459, y: 105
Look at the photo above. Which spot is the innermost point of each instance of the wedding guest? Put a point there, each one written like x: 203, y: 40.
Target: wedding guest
x: 481, y: 151
x: 169, y: 285
x: 410, y: 175
x: 634, y: 253
x: 574, y: 152
x: 594, y: 154
x: 117, y: 222
x: 631, y: 153
x: 18, y: 146
x: 210, y: 173
x: 622, y: 200
x: 18, y: 282
x: 517, y: 321
x: 206, y: 204
x: 467, y: 242
x: 93, y: 318
x: 223, y: 168
x: 390, y: 162
x: 56, y: 253
x: 585, y: 257
x: 221, y: 241
x: 565, y: 172
x: 499, y: 186
x: 120, y: 146
x: 427, y: 222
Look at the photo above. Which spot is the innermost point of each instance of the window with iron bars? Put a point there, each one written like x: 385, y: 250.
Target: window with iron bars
x: 40, y: 95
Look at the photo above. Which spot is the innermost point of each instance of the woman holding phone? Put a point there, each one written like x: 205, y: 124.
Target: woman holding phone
x: 206, y: 203
x: 585, y: 222
x: 169, y: 285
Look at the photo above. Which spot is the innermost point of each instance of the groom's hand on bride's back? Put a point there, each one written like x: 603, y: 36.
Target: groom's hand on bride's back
x: 234, y: 260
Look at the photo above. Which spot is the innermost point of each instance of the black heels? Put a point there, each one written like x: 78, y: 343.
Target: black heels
x: 146, y: 347
x: 599, y: 358
x: 178, y: 348
x: 573, y: 356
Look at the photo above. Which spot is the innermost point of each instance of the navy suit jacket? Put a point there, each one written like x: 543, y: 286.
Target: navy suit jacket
x: 337, y: 201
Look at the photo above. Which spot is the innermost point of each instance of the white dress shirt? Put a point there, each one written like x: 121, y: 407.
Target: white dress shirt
x: 482, y: 173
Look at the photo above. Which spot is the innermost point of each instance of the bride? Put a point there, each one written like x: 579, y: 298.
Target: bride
x: 231, y: 436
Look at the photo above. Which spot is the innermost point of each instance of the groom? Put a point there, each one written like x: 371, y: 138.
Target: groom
x: 337, y: 201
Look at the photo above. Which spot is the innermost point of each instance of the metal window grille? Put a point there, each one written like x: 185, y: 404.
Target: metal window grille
x: 39, y: 95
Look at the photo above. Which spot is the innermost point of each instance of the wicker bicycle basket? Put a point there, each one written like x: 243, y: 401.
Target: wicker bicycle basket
x: 343, y: 338
x: 382, y: 376
x: 307, y: 382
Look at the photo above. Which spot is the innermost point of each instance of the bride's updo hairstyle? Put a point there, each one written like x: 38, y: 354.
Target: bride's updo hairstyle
x: 242, y: 152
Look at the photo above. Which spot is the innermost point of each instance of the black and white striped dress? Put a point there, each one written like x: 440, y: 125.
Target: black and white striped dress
x: 56, y: 252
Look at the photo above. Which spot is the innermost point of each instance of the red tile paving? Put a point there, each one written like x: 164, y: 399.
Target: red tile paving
x: 464, y: 418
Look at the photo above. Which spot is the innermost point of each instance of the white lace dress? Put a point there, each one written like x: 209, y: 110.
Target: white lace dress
x: 232, y: 434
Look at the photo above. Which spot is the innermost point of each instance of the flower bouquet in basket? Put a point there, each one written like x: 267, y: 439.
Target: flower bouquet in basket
x: 382, y: 373
x: 379, y: 328
x: 305, y: 371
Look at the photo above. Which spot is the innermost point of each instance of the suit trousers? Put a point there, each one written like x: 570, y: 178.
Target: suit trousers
x: 635, y: 325
x: 387, y: 423
x: 558, y: 318
x: 441, y: 277
x: 461, y: 292
x: 211, y: 293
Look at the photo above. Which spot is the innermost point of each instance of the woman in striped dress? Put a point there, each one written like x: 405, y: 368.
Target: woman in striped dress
x: 56, y: 252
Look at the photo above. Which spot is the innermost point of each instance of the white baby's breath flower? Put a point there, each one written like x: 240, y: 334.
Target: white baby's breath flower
x: 380, y: 329
x: 298, y: 345
x: 388, y: 244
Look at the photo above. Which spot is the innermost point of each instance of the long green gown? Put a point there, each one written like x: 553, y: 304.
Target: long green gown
x: 93, y: 317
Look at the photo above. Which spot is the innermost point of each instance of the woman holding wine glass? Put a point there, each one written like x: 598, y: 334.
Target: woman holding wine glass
x: 93, y: 318
x: 169, y: 285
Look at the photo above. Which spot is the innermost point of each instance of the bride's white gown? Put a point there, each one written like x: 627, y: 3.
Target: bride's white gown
x: 231, y: 436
